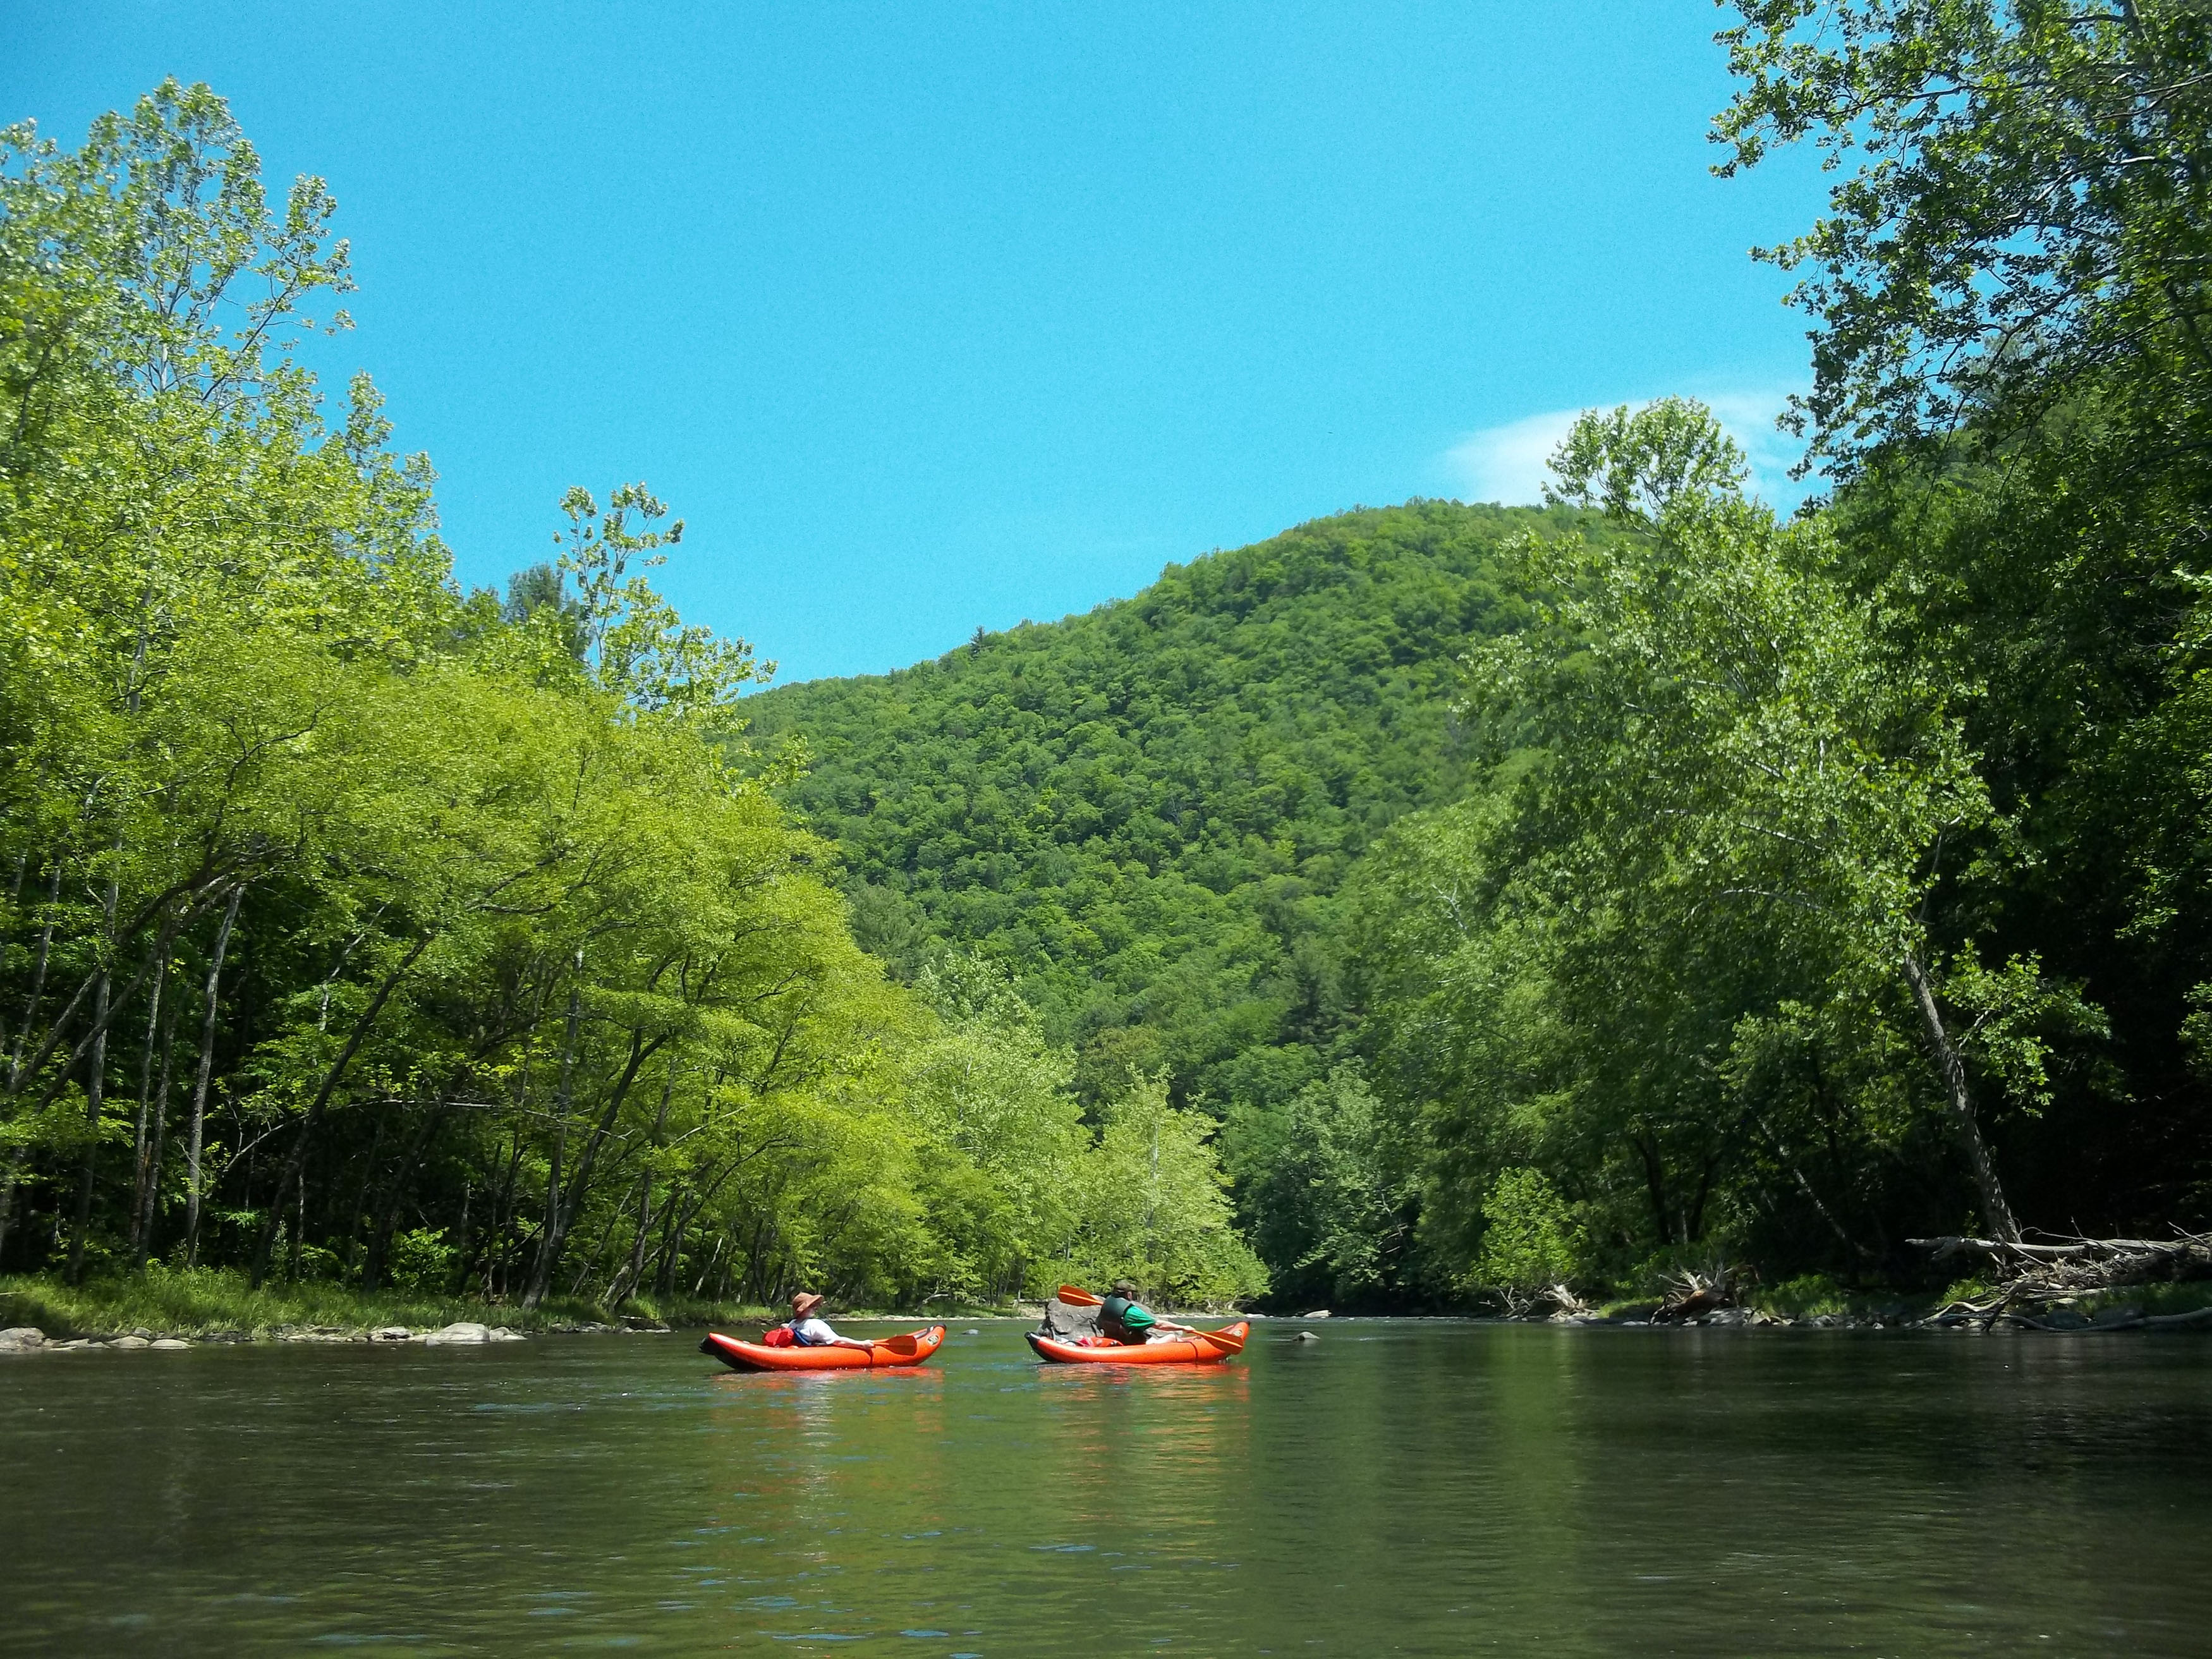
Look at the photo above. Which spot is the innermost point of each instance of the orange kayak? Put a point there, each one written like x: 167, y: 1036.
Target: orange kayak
x: 909, y: 1350
x: 1205, y: 1348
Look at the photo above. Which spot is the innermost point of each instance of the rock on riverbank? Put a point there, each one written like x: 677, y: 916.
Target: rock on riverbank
x: 28, y: 1338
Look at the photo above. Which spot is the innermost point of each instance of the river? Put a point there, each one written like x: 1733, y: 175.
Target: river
x: 1404, y: 1487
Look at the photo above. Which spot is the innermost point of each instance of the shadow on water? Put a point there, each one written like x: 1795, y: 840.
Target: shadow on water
x: 1421, y: 1488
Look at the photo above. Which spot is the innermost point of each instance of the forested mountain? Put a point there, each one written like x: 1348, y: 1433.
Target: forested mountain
x: 1147, y: 812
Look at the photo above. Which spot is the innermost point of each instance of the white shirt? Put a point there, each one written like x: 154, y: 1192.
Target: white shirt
x: 812, y: 1332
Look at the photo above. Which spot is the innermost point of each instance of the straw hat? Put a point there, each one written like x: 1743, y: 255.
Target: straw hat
x: 805, y: 1303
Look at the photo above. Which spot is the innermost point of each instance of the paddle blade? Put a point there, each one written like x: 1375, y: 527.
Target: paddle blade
x: 1230, y: 1339
x: 903, y: 1346
x: 1076, y: 1297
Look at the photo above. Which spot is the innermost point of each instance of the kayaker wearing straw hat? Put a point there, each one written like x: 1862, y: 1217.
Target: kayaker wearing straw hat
x: 811, y: 1331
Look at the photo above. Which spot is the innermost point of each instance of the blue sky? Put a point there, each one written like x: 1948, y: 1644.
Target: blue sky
x: 932, y: 317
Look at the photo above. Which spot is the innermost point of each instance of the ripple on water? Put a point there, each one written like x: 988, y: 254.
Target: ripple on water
x: 1575, y: 1492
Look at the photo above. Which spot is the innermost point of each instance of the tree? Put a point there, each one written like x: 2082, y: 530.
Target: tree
x: 1152, y: 1206
x: 2011, y: 379
x: 2031, y: 205
x: 1733, y: 770
x: 489, y: 963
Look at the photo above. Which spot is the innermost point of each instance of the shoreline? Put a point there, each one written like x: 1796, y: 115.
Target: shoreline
x: 170, y: 1309
x: 217, y: 1308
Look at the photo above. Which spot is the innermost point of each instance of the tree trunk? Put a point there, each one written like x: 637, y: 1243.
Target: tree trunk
x: 196, y: 1133
x: 1655, y: 1183
x: 297, y: 1162
x: 150, y: 1195
x: 387, y: 1222
x: 579, y: 1182
x: 626, y: 1280
x: 38, y: 982
x: 142, y: 1133
x: 95, y: 1093
x: 548, y: 1241
x: 1997, y: 1214
x: 496, y: 1251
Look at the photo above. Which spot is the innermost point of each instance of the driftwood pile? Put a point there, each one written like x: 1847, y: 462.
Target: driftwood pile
x: 1691, y: 1294
x: 2033, y: 1283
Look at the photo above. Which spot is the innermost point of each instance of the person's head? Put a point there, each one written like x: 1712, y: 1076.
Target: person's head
x: 804, y: 1303
x: 1123, y: 1287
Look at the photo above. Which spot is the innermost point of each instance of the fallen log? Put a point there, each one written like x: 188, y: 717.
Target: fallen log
x: 2029, y: 1278
x: 2075, y: 1250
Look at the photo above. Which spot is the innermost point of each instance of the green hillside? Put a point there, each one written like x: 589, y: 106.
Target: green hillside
x: 1145, y: 813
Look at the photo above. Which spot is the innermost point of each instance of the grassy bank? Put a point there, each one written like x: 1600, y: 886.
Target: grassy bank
x: 218, y: 1301
x: 210, y: 1302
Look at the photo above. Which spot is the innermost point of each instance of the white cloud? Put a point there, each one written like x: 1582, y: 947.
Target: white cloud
x: 1508, y: 463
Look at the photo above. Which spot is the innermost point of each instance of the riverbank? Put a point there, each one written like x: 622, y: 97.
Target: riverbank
x: 212, y: 1305
x: 1968, y: 1305
x: 217, y: 1305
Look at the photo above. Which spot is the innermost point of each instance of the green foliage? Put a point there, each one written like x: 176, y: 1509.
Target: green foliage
x: 1530, y: 1238
x: 421, y: 1260
x: 2010, y: 371
x: 205, y: 1301
x: 1805, y: 1295
x: 358, y: 931
x: 1144, y: 813
x: 1330, y: 1188
x: 2029, y: 204
x: 1494, y: 895
x: 1152, y: 1206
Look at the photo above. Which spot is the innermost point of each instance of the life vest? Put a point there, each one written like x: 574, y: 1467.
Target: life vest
x: 1115, y: 1319
x: 778, y: 1336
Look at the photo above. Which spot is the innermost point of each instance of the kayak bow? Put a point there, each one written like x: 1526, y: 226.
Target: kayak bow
x: 1199, y: 1348
x: 909, y: 1350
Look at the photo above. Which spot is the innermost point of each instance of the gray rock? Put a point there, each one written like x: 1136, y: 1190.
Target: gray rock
x: 501, y: 1333
x: 461, y: 1331
x: 21, y: 1339
x: 131, y: 1342
x: 1068, y: 1321
x: 1318, y: 1313
x: 75, y: 1343
x: 390, y: 1333
x: 2065, y: 1319
x: 169, y: 1344
x: 1306, y: 1336
x: 142, y: 1331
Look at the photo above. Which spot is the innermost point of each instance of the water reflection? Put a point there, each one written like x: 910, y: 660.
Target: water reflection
x: 1412, y: 1488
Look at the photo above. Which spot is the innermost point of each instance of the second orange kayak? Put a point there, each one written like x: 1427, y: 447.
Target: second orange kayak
x: 1205, y: 1348
x: 909, y: 1350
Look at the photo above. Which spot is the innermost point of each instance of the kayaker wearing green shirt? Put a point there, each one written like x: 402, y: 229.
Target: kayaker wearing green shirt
x: 1128, y: 1320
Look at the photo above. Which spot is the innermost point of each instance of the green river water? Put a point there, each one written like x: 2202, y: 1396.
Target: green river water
x: 1415, y: 1487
